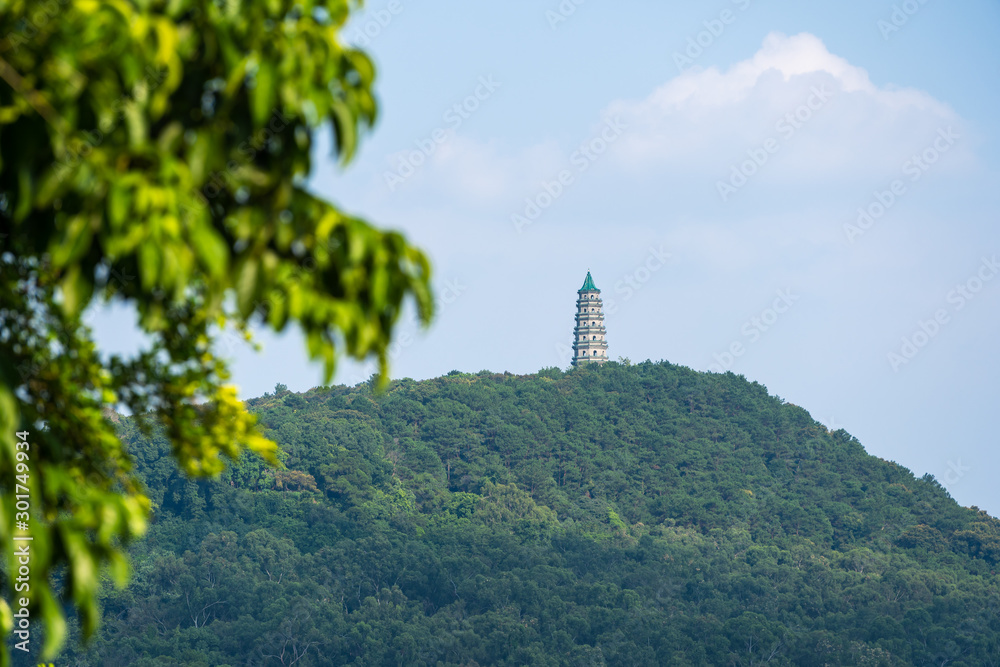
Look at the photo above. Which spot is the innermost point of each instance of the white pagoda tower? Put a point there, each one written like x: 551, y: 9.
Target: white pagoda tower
x: 590, y: 343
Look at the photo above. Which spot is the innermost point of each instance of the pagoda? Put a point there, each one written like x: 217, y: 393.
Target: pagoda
x: 590, y: 343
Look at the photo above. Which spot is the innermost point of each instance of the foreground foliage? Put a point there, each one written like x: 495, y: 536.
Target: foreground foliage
x: 622, y: 515
x: 155, y: 154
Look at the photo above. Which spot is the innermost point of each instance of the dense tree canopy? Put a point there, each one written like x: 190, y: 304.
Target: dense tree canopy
x: 155, y: 153
x: 618, y: 515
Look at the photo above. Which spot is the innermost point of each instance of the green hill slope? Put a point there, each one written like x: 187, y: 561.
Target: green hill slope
x: 619, y: 515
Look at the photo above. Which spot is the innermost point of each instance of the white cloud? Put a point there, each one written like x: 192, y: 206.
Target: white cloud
x: 825, y: 116
x: 473, y: 170
x: 829, y: 123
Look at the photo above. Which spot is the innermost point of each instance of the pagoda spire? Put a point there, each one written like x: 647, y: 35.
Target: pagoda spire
x: 590, y: 343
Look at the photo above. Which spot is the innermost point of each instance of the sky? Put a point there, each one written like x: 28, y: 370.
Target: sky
x: 802, y: 193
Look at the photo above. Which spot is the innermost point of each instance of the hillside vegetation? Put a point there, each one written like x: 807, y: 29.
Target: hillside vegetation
x: 619, y: 515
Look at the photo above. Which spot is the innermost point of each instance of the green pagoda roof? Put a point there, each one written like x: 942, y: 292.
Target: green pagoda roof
x: 588, y: 285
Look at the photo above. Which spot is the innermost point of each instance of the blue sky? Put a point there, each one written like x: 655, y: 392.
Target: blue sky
x: 733, y: 147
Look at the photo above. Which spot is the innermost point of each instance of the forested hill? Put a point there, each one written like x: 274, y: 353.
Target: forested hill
x: 623, y: 515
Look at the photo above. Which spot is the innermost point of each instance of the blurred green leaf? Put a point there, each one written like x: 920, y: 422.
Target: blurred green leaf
x: 151, y: 150
x: 264, y: 92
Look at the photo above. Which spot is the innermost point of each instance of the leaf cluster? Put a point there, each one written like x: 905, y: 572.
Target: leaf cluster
x: 154, y: 155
